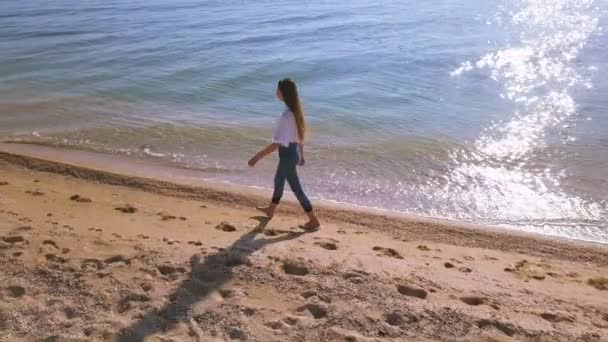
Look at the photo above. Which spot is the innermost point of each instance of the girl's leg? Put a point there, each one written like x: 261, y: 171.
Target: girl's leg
x: 279, y: 187
x: 296, y: 187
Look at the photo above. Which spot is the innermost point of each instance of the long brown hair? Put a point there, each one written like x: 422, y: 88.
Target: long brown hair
x: 288, y: 89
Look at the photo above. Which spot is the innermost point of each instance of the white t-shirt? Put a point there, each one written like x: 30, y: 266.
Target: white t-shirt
x: 286, y: 129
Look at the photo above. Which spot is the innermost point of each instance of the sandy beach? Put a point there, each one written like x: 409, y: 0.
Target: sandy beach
x: 89, y: 255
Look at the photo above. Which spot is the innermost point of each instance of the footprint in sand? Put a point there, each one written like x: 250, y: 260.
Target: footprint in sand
x: 166, y: 217
x: 147, y: 287
x: 412, y: 291
x: 599, y: 283
x: 13, y: 239
x: 317, y: 311
x: 49, y: 246
x: 126, y: 303
x: 295, y: 267
x: 275, y: 325
x: 237, y: 334
x: 356, y: 276
x: 3, y: 183
x: 35, y: 193
x: 465, y: 270
x: 474, y: 301
x: 50, y: 243
x: 169, y: 242
x: 235, y: 259
x: 397, y: 318
x: 247, y: 311
x: 225, y: 227
x: 330, y: 246
x: 555, y: 318
x: 394, y: 318
x: 308, y: 294
x: 290, y: 320
x: 387, y: 252
x: 528, y: 269
x: 55, y: 259
x: 127, y: 209
x: 79, y: 199
x: 91, y: 265
x: 231, y: 293
x: 424, y: 248
x: 16, y: 291
x: 70, y: 312
x: 167, y: 269
x: 507, y: 328
x: 118, y: 260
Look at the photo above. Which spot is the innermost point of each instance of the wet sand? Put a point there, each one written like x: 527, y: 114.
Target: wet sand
x: 89, y: 255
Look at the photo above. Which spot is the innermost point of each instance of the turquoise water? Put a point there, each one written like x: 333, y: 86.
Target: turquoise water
x: 482, y: 111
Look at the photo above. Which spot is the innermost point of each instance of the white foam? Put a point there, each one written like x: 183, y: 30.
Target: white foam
x: 153, y: 154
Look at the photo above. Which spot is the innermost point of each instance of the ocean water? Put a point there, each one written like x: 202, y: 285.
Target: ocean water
x: 491, y: 112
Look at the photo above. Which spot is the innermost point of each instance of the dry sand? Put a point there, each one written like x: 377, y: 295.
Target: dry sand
x: 87, y: 255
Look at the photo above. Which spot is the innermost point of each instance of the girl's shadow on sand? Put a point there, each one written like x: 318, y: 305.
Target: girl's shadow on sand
x: 205, y: 277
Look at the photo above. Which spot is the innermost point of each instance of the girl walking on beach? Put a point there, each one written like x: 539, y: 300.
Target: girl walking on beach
x: 288, y: 138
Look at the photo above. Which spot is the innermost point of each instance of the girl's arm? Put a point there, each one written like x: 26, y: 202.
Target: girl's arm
x: 301, y: 161
x: 263, y: 153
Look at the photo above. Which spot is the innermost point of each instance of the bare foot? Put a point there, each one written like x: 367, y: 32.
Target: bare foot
x: 311, y: 226
x: 268, y: 211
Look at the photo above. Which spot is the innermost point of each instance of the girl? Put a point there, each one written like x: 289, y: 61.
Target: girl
x: 288, y: 138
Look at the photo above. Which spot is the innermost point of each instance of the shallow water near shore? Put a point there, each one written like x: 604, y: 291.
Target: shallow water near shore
x: 488, y: 113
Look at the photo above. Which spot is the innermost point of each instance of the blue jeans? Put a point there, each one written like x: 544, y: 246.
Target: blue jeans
x: 288, y: 160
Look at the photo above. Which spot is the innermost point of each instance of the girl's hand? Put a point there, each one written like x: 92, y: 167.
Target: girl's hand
x: 263, y: 153
x: 301, y: 162
x: 253, y: 161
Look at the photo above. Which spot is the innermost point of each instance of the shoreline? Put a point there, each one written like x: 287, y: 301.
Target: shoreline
x: 122, y: 171
x: 91, y: 255
x: 162, y: 170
